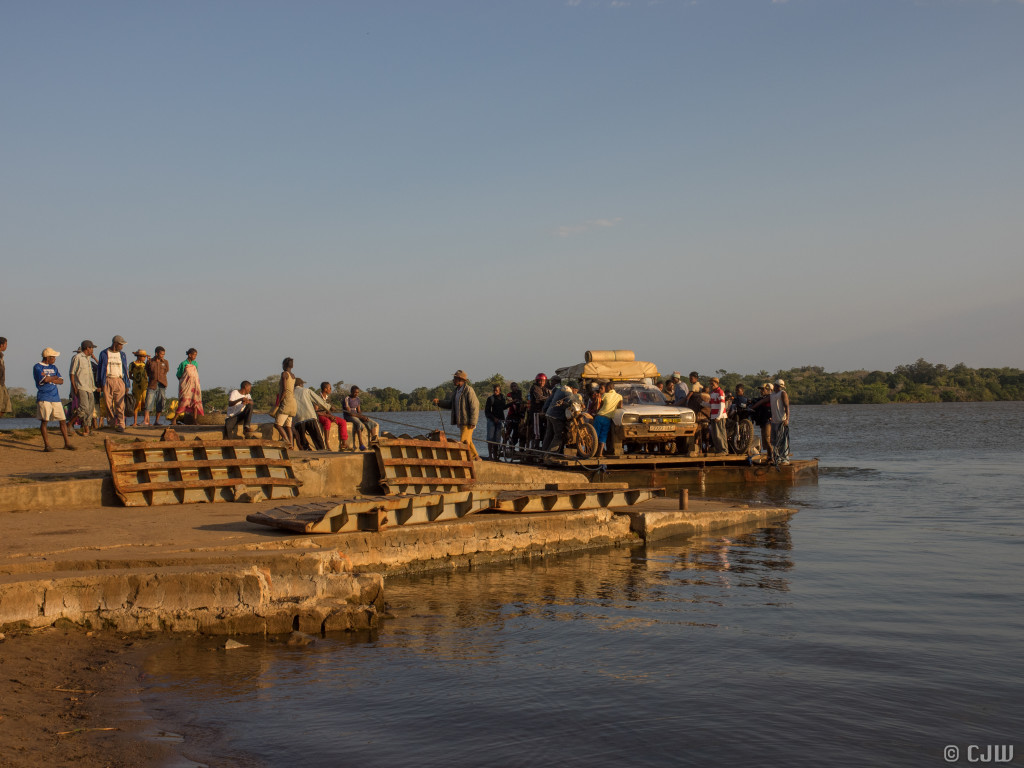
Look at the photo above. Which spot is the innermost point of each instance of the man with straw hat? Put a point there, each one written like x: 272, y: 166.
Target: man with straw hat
x: 465, y: 409
x: 47, y: 378
x: 137, y: 372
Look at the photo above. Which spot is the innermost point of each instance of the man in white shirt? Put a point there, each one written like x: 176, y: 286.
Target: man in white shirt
x: 239, y: 411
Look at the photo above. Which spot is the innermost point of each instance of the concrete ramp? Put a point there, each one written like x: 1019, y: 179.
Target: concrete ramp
x: 373, y: 513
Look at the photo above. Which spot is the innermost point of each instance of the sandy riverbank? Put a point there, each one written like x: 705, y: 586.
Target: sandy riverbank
x: 66, y: 697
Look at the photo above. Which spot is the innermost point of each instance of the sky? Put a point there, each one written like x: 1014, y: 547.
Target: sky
x: 390, y: 190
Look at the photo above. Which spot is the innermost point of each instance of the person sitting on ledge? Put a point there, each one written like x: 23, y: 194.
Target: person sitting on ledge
x: 239, y: 412
x: 364, y: 427
x: 327, y: 418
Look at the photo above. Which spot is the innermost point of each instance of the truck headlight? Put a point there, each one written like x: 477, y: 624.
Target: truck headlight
x: 629, y: 418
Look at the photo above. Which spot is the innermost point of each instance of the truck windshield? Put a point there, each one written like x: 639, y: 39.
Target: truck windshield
x: 639, y: 394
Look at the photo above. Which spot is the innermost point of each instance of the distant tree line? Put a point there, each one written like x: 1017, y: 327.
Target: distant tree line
x: 918, y: 382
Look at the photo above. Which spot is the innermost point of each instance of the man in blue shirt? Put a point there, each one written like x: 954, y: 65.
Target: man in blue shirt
x: 47, y: 377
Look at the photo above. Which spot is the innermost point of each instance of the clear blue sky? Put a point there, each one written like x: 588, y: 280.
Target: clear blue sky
x: 388, y: 191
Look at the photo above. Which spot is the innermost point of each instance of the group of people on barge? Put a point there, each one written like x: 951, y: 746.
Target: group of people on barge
x: 537, y: 420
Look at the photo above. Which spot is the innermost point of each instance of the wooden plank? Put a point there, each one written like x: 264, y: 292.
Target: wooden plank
x: 161, y: 465
x: 432, y: 444
x: 426, y: 463
x: 157, y: 445
x: 427, y: 480
x: 220, y: 483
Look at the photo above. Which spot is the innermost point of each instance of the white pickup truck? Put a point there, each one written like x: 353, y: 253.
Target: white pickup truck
x: 645, y: 421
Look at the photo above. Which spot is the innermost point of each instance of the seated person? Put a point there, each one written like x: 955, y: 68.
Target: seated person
x: 239, y: 412
x: 326, y: 418
x: 365, y: 429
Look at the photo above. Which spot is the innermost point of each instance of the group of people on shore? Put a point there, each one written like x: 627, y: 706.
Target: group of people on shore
x: 107, y: 386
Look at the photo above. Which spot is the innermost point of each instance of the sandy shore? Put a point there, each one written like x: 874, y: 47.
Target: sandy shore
x: 70, y: 697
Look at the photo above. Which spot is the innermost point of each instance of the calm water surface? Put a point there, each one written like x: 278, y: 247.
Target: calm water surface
x: 878, y: 625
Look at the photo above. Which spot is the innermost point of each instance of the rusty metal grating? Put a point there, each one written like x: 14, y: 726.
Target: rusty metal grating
x: 173, y: 471
x: 423, y: 466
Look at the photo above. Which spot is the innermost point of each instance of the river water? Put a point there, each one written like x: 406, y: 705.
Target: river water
x: 878, y: 626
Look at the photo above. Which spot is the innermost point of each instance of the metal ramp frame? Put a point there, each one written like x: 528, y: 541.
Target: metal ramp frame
x: 423, y: 466
x: 175, y: 471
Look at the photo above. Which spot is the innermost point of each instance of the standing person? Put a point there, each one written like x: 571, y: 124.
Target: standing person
x: 363, y: 427
x: 535, y: 399
x: 762, y: 409
x: 694, y: 396
x: 780, y: 422
x: 494, y: 412
x: 610, y: 402
x: 5, y: 397
x: 305, y: 428
x: 113, y: 380
x: 669, y: 390
x: 681, y: 389
x: 190, y: 393
x: 327, y: 418
x: 465, y: 407
x: 516, y: 418
x: 83, y: 385
x: 156, y: 392
x: 284, y: 409
x: 717, y: 416
x: 139, y: 377
x: 239, y: 411
x: 47, y: 378
x: 554, y: 417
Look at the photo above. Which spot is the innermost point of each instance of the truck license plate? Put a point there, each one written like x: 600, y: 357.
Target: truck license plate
x: 662, y: 428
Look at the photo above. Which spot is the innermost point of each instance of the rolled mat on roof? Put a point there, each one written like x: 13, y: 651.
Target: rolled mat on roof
x: 609, y: 355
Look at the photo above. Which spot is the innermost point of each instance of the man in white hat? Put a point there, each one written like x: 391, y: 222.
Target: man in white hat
x: 780, y: 422
x: 47, y: 378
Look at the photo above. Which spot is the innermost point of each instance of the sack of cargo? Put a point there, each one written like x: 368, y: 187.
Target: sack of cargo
x: 609, y: 356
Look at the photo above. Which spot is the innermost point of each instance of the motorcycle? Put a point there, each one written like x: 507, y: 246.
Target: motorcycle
x: 579, y: 432
x: 739, y: 429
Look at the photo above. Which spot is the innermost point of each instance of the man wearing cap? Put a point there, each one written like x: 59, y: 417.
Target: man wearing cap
x: 47, y: 378
x: 679, y: 388
x: 780, y: 422
x: 114, y: 380
x: 465, y: 409
x: 83, y: 385
x: 5, y: 398
x: 717, y: 416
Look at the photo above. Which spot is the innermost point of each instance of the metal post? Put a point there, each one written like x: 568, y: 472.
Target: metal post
x: 684, y: 499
